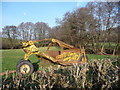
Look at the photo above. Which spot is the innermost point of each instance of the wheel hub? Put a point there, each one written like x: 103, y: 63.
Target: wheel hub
x: 24, y: 69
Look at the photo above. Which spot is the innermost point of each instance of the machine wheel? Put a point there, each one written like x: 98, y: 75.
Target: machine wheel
x: 22, y: 60
x: 24, y: 67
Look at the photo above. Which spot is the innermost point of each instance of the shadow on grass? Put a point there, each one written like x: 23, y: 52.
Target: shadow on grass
x: 36, y: 65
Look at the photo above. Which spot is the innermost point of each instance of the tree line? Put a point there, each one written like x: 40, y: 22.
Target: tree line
x: 24, y: 31
x: 94, y: 27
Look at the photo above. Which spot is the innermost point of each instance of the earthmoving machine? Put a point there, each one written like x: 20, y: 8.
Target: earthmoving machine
x: 65, y: 54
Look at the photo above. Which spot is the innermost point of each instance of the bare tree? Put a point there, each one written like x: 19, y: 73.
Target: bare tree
x: 41, y: 30
x: 26, y: 30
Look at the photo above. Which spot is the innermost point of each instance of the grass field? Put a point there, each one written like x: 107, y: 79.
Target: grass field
x: 11, y: 57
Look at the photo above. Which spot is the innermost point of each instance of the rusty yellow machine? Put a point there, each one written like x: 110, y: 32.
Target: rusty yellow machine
x: 66, y: 54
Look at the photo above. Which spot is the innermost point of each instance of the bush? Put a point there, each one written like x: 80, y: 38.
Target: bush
x: 97, y: 74
x: 6, y: 44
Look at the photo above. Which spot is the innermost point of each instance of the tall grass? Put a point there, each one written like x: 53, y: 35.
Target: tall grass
x: 96, y: 74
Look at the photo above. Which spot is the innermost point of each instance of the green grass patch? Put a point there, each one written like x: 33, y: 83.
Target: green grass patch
x: 10, y: 58
x: 93, y: 56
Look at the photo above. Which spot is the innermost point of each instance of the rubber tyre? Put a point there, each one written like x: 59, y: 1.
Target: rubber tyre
x: 20, y: 64
x: 22, y: 60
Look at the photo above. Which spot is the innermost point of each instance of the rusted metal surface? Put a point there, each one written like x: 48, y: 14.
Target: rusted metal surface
x: 66, y: 56
x: 53, y: 53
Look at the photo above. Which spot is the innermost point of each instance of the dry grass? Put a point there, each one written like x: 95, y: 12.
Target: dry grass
x: 97, y: 74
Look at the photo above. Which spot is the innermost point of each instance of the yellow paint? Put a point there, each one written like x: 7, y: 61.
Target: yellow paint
x: 69, y: 56
x: 30, y: 49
